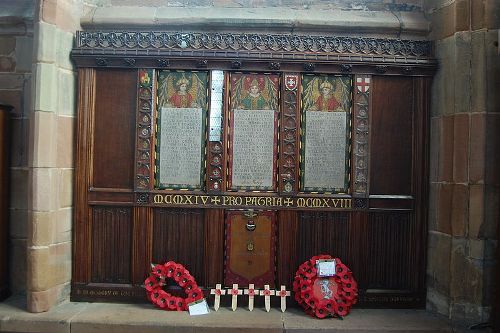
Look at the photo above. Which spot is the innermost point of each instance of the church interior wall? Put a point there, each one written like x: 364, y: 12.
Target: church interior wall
x: 39, y: 80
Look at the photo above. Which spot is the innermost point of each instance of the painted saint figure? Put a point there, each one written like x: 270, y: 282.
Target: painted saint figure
x: 254, y: 99
x: 181, y: 98
x: 326, y: 101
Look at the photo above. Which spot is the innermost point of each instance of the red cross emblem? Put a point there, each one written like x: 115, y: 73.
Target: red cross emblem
x: 291, y: 81
x: 363, y: 84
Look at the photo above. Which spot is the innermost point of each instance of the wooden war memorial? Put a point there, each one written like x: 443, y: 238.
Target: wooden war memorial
x: 242, y: 155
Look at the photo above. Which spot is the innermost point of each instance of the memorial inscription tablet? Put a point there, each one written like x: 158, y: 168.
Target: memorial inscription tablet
x: 253, y: 148
x: 180, y: 153
x: 325, y: 147
x: 326, y: 104
x: 253, y: 132
x: 182, y: 103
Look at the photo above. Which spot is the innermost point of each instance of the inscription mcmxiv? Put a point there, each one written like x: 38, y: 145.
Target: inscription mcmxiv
x: 241, y: 201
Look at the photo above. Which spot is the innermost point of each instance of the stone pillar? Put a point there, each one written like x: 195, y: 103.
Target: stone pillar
x: 16, y: 50
x: 51, y: 162
x: 464, y: 159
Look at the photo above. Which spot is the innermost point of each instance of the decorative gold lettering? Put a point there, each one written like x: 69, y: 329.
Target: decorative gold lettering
x: 278, y: 202
x: 301, y: 202
x: 335, y: 202
x: 168, y: 199
x: 288, y: 202
x: 158, y: 198
x: 325, y: 203
x: 215, y: 200
x: 177, y: 199
x: 188, y: 199
x: 204, y: 199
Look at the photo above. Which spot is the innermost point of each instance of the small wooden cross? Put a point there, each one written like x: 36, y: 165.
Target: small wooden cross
x: 251, y: 292
x: 267, y: 296
x: 217, y: 292
x: 235, y: 292
x: 283, y: 293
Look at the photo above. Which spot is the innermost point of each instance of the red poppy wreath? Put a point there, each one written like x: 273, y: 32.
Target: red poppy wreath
x: 157, y: 279
x: 325, y: 296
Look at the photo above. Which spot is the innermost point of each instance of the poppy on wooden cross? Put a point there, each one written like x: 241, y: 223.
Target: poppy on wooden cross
x: 267, y: 296
x: 235, y: 292
x: 283, y: 293
x: 217, y: 292
x: 251, y: 292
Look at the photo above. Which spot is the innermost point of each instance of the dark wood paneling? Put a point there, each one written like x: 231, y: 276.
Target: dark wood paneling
x: 83, y: 158
x: 142, y: 243
x: 287, y: 261
x: 391, y: 257
x: 111, y: 244
x: 178, y: 235
x: 422, y: 98
x: 214, y: 247
x: 391, y: 136
x: 114, y: 129
x: 322, y: 233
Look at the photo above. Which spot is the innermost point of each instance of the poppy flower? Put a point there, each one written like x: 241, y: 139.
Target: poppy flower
x: 158, y: 270
x: 151, y: 283
x: 321, y: 312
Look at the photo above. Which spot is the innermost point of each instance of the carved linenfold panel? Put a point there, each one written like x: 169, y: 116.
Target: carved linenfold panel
x: 158, y: 40
x: 360, y: 142
x: 144, y: 121
x: 390, y: 237
x: 178, y: 235
x: 111, y: 244
x: 322, y: 232
x: 289, y: 134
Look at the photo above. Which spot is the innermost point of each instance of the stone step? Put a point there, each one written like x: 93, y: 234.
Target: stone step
x: 144, y: 318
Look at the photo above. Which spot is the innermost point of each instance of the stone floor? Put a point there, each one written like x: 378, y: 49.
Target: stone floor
x: 129, y: 318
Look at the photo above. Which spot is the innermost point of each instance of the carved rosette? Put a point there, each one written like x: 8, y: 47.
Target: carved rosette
x: 289, y: 133
x: 215, y: 159
x: 361, y: 134
x: 144, y: 121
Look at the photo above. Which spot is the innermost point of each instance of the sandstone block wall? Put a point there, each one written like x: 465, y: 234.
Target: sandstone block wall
x: 16, y: 53
x: 465, y: 187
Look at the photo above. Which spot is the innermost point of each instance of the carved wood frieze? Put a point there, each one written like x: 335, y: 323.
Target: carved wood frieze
x: 360, y: 142
x: 144, y: 133
x: 247, y: 50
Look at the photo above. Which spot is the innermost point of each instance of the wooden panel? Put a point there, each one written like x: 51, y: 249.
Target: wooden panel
x: 421, y: 175
x: 214, y: 247
x: 391, y: 262
x: 142, y: 242
x: 323, y: 233
x: 111, y: 244
x: 83, y: 158
x: 287, y: 262
x: 391, y: 136
x: 250, y: 253
x: 178, y: 235
x: 114, y: 129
